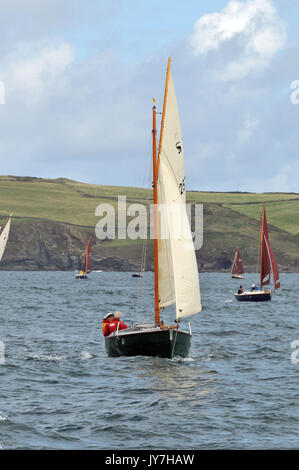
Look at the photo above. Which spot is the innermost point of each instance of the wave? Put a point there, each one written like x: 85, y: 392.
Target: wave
x: 3, y: 416
x: 44, y: 357
x: 86, y: 355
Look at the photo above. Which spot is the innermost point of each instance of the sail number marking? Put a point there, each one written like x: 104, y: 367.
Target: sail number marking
x: 182, y: 187
x: 178, y: 147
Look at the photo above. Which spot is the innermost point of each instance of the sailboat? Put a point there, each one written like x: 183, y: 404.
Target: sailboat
x: 140, y: 274
x: 237, y: 267
x: 267, y: 264
x: 175, y: 266
x: 86, y: 265
x: 4, y: 236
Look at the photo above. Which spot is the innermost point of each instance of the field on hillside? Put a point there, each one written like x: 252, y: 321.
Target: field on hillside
x: 230, y: 219
x: 73, y: 202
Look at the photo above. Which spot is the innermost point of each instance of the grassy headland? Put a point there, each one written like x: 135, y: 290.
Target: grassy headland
x: 57, y: 216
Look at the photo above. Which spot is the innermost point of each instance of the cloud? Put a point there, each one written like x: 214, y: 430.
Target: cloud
x: 250, y: 124
x: 31, y: 68
x: 279, y: 178
x: 83, y: 119
x: 88, y: 116
x: 252, y: 30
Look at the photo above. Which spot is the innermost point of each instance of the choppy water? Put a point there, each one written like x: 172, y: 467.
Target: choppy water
x: 58, y: 389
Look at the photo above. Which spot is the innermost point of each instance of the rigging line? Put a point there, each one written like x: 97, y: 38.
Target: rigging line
x: 140, y: 300
x: 147, y: 168
x: 140, y: 297
x: 147, y: 182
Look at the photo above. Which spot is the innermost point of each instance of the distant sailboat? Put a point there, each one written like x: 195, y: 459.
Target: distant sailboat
x: 4, y: 236
x: 237, y: 267
x: 139, y: 274
x: 175, y: 267
x: 86, y: 265
x: 267, y: 264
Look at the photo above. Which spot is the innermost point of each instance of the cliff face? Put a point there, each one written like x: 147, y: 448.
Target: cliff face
x: 39, y: 245
x: 46, y: 245
x: 54, y: 218
x: 36, y: 244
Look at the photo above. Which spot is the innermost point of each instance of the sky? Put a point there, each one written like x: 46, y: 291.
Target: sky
x: 77, y: 78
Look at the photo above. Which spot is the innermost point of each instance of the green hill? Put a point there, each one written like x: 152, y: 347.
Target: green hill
x: 54, y: 218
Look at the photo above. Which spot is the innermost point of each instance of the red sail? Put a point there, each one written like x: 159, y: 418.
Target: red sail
x: 237, y: 264
x: 86, y: 265
x: 268, y: 262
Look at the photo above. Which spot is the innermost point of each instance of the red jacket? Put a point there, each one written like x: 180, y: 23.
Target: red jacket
x: 112, y: 326
x: 105, y: 327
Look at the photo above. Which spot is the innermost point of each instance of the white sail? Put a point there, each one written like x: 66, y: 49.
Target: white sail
x: 166, y: 277
x: 178, y: 272
x: 4, y: 237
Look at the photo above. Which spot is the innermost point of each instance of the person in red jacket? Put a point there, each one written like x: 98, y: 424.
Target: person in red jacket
x: 105, y: 325
x: 111, y: 322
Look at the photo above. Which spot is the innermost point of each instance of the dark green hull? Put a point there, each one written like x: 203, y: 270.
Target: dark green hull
x: 166, y: 343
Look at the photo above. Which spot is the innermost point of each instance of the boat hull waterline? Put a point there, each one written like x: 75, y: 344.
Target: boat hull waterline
x: 161, y: 342
x: 261, y: 296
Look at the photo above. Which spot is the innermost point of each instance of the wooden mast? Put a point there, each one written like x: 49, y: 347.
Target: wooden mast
x: 155, y: 200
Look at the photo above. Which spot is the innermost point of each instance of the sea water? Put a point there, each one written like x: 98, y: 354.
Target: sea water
x: 59, y: 390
